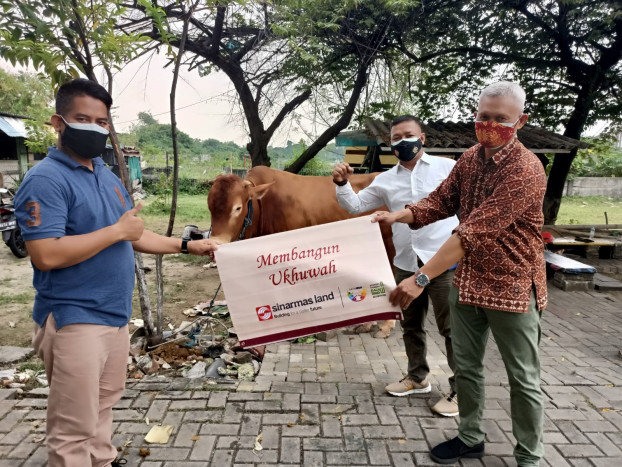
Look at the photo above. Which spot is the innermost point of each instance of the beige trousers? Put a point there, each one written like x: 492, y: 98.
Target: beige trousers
x: 85, y: 366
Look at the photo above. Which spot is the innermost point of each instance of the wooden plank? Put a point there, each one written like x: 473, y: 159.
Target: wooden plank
x: 354, y: 158
x: 584, y: 226
x: 388, y: 160
x: 561, y: 263
x: 570, y: 241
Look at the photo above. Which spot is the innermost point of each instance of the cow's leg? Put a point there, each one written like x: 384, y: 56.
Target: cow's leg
x: 385, y: 329
x: 363, y: 328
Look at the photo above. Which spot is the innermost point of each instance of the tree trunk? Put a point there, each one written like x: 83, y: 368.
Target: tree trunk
x: 338, y: 126
x: 116, y: 147
x: 555, y: 186
x: 258, y: 153
x: 180, y: 53
x: 562, y: 163
x: 141, y: 281
x: 159, y: 336
x: 143, y: 295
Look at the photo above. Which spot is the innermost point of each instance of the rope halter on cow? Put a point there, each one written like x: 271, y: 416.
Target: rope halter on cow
x: 248, y: 220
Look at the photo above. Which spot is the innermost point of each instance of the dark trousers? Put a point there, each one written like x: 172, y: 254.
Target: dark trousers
x: 413, y: 324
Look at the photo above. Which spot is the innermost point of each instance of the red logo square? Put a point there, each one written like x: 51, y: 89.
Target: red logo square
x: 264, y: 313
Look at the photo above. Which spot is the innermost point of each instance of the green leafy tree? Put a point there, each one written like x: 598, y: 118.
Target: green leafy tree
x: 68, y: 38
x: 29, y: 95
x: 277, y: 54
x: 601, y: 159
x: 567, y: 54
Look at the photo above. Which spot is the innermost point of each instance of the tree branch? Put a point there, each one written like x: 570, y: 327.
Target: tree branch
x: 286, y: 110
x: 89, y: 69
x: 218, y: 25
x: 341, y: 124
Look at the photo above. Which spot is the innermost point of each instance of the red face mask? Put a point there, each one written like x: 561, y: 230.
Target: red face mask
x: 493, y: 135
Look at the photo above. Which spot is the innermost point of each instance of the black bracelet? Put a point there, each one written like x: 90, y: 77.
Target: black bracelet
x: 341, y: 183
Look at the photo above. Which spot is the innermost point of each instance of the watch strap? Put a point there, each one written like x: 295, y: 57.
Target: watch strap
x: 184, y: 246
x: 341, y: 183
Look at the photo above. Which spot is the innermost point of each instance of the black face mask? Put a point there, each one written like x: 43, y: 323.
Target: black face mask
x: 406, y: 149
x: 87, y: 140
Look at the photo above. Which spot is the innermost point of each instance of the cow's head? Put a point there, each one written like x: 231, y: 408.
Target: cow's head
x: 228, y: 204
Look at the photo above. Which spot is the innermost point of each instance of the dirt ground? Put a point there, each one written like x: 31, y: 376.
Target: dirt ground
x: 186, y: 283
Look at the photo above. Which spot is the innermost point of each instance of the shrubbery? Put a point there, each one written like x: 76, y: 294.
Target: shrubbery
x: 163, y: 186
x: 601, y: 159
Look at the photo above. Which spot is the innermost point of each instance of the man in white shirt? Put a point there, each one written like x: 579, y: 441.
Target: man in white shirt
x: 415, y: 176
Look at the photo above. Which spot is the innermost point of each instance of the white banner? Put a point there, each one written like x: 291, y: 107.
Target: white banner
x: 305, y: 281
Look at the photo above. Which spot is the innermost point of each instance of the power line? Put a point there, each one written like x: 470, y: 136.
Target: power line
x: 181, y: 108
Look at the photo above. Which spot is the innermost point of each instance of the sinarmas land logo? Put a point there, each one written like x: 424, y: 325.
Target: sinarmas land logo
x: 264, y: 313
x: 357, y: 294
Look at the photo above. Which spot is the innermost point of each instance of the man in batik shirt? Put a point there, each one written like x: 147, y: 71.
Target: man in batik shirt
x: 498, y: 188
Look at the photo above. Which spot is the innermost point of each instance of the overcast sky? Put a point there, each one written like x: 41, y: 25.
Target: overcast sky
x: 204, y: 108
x: 205, y: 104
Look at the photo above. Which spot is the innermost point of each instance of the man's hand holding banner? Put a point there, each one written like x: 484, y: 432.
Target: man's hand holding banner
x: 305, y: 281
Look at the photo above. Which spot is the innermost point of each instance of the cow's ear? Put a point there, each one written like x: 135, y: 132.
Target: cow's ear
x: 259, y: 191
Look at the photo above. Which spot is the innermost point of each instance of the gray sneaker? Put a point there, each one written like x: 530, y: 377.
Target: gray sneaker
x: 448, y: 406
x: 408, y: 386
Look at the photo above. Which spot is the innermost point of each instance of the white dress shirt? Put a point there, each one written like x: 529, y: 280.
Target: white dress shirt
x: 396, y: 188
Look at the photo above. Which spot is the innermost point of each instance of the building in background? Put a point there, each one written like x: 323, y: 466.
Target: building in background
x: 368, y: 149
x: 15, y: 158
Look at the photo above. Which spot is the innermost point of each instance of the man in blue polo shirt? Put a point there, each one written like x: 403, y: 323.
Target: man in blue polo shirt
x: 81, y: 231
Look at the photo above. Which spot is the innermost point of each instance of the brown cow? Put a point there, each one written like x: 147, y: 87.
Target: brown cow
x: 281, y: 201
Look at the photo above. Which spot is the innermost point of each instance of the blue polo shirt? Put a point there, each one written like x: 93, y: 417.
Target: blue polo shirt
x: 60, y: 197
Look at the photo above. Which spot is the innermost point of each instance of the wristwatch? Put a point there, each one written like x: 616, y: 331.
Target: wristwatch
x: 186, y: 237
x: 421, y: 279
x: 184, y: 245
x: 341, y: 183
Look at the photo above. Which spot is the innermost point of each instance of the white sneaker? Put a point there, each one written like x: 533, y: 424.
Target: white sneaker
x: 447, y: 407
x: 408, y: 386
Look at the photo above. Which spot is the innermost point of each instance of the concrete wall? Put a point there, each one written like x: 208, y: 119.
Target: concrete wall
x: 594, y: 186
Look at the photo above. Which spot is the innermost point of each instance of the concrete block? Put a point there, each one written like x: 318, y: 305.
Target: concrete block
x: 561, y: 276
x: 573, y: 286
x: 10, y: 354
x: 326, y: 336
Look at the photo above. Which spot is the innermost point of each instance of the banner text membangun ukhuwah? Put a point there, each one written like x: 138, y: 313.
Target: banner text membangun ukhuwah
x: 295, y: 254
x: 290, y: 276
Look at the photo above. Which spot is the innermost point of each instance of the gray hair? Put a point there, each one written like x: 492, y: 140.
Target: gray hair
x: 505, y: 88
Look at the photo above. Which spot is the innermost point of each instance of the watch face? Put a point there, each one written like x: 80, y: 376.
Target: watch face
x: 422, y: 280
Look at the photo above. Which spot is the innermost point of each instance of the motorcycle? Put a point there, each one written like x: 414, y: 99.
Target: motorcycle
x: 11, y: 234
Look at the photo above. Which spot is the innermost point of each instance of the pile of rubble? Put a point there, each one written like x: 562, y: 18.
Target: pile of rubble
x: 190, y: 353
x: 14, y: 379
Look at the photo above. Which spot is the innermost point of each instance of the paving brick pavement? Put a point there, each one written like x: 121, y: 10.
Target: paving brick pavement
x: 323, y: 404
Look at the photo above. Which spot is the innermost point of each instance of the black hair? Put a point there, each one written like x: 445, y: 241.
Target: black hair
x: 80, y: 87
x: 406, y: 118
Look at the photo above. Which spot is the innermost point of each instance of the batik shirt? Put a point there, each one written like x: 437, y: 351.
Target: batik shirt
x: 499, y: 203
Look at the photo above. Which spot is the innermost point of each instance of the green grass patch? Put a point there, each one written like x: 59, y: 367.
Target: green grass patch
x: 191, y: 209
x: 589, y: 210
x: 20, y: 298
x: 34, y: 364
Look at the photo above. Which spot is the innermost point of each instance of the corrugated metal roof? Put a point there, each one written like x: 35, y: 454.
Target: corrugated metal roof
x: 23, y: 117
x: 447, y: 136
x: 13, y: 127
